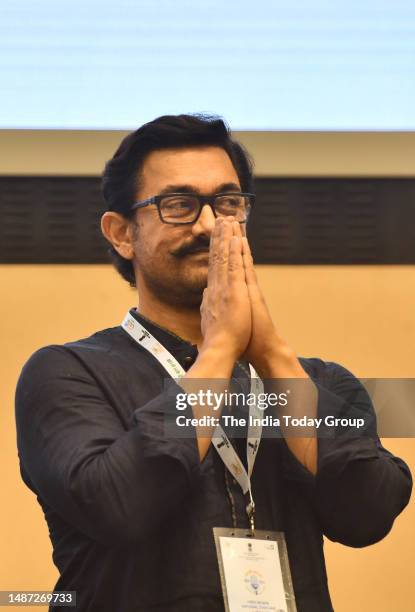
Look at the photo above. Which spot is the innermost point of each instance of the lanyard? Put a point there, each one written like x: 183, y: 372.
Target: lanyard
x: 219, y: 438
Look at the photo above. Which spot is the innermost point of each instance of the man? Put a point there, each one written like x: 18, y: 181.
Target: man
x: 130, y: 509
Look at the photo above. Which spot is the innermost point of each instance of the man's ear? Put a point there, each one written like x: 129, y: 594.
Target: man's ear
x: 118, y: 231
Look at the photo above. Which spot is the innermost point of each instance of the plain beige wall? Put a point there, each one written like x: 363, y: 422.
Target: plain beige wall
x: 360, y: 316
x: 83, y: 152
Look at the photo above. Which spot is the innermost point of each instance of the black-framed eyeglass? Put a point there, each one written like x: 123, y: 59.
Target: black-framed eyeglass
x: 185, y: 208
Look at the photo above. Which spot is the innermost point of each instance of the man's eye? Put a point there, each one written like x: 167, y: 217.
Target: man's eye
x: 231, y: 201
x: 178, y: 204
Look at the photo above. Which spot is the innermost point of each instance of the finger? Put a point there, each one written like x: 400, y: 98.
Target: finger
x: 213, y: 250
x: 221, y: 256
x: 236, y: 226
x: 236, y: 272
x: 204, y: 299
x: 250, y: 274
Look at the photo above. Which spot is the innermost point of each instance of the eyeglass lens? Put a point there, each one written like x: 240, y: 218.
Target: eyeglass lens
x: 185, y: 208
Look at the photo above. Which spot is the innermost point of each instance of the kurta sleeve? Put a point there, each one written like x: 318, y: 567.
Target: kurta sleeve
x: 114, y: 484
x: 360, y: 487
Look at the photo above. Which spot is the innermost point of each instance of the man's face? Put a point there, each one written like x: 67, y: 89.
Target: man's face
x: 172, y: 260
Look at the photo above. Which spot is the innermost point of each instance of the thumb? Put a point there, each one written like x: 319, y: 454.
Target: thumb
x: 204, y: 298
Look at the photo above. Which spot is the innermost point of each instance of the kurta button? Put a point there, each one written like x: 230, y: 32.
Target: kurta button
x: 188, y: 360
x: 234, y: 481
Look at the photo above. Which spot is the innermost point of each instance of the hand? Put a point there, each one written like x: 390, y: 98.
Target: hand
x: 225, y: 308
x: 263, y: 336
x: 268, y: 352
x: 273, y: 358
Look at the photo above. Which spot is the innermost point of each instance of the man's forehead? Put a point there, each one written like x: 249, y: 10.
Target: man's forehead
x: 203, y: 167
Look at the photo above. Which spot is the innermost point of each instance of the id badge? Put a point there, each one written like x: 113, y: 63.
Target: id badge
x: 254, y: 570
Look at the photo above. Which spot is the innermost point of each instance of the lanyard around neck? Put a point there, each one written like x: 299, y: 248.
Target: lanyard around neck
x: 219, y: 438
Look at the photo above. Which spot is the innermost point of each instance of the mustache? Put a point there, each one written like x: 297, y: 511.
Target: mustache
x: 200, y: 244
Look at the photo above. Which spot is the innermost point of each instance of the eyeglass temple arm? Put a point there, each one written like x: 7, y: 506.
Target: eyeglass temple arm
x: 143, y: 203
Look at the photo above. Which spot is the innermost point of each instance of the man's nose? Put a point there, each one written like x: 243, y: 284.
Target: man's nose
x: 205, y: 222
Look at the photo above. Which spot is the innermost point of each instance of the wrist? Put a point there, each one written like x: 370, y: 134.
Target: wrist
x: 217, y: 360
x: 279, y: 361
x: 218, y: 349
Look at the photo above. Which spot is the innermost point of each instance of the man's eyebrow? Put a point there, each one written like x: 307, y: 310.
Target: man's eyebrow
x: 178, y: 189
x: 192, y: 189
x: 228, y: 187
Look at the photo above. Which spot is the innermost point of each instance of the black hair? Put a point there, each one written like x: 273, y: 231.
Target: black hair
x: 121, y: 176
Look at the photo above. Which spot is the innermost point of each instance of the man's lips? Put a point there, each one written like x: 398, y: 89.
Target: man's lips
x: 196, y: 251
x: 200, y: 256
x: 192, y: 250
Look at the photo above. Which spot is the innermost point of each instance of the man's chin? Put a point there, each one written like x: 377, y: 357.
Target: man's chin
x: 194, y: 285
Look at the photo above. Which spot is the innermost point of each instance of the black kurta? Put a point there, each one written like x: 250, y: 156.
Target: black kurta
x: 130, y: 512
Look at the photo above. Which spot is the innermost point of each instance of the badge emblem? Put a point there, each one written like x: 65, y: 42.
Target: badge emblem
x: 254, y: 582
